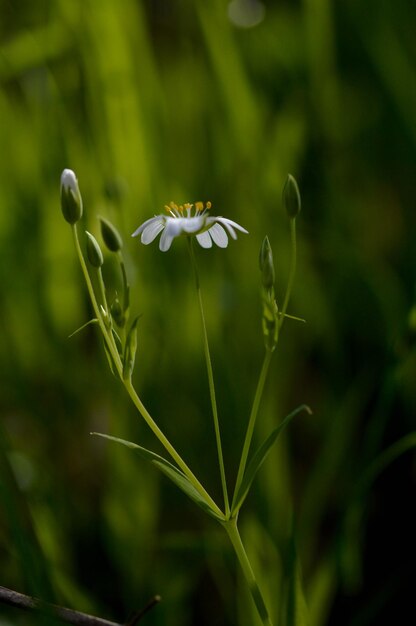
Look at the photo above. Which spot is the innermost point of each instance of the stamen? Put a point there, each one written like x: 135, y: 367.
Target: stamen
x: 178, y: 210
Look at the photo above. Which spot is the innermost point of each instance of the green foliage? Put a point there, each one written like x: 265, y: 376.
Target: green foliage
x: 156, y: 101
x: 172, y: 472
x: 259, y: 457
x: 130, y: 351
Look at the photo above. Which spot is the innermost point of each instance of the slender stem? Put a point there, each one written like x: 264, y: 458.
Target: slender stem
x: 109, y: 339
x: 169, y: 447
x: 252, y: 419
x: 266, y: 362
x: 28, y: 603
x: 292, y: 272
x: 232, y: 531
x: 210, y: 380
x: 136, y: 617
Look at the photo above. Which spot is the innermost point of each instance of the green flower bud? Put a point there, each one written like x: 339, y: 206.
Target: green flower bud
x: 291, y: 197
x: 94, y: 254
x: 117, y: 313
x: 71, y: 201
x: 110, y: 235
x: 270, y: 323
x: 266, y: 264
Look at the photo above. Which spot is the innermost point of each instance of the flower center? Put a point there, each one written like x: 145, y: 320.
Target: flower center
x: 185, y: 210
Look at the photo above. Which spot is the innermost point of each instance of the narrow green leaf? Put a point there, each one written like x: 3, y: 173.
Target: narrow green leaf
x: 117, y: 339
x: 293, y: 317
x: 130, y: 350
x: 259, y: 457
x: 109, y: 359
x: 384, y: 459
x: 93, y: 321
x: 172, y: 472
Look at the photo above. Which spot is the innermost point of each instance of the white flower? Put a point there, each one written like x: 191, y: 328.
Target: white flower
x: 188, y: 220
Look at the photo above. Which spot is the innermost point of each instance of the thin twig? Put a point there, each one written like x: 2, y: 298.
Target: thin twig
x: 136, y: 617
x: 28, y: 603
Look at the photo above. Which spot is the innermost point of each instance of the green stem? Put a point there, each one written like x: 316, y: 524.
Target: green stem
x: 169, y: 447
x: 109, y: 339
x: 266, y: 363
x: 292, y: 272
x: 252, y: 419
x: 210, y: 380
x: 232, y: 531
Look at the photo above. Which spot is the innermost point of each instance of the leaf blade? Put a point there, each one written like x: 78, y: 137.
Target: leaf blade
x: 167, y: 468
x: 259, y: 457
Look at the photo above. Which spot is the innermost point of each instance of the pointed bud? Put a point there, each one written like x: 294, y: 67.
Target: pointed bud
x: 71, y: 201
x: 266, y: 264
x: 270, y: 321
x: 291, y: 197
x: 117, y: 313
x: 94, y: 254
x: 110, y: 235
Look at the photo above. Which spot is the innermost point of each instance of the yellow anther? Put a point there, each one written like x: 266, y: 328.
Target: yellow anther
x: 199, y: 207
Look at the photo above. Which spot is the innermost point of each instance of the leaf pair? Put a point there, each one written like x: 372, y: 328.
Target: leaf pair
x: 172, y: 472
x: 185, y: 485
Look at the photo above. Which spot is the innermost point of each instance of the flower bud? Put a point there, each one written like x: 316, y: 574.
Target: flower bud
x: 94, y: 254
x: 266, y: 264
x: 291, y: 197
x: 71, y: 201
x: 270, y: 323
x: 117, y: 313
x: 110, y: 235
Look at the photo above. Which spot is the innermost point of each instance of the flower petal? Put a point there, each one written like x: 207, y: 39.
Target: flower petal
x: 151, y: 231
x: 141, y: 228
x: 170, y: 232
x: 204, y: 240
x: 230, y: 225
x: 219, y: 235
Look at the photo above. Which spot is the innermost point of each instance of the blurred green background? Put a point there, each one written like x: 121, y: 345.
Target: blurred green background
x: 166, y: 100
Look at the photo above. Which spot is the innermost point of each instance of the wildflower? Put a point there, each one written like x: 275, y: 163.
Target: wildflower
x: 191, y: 220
